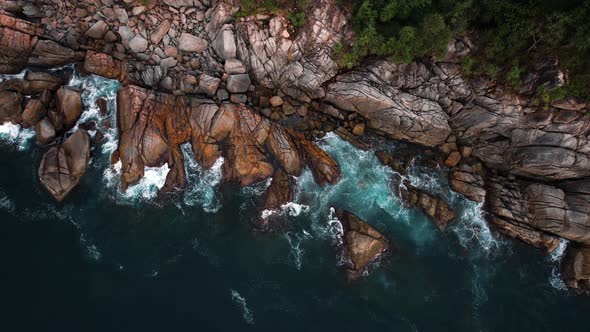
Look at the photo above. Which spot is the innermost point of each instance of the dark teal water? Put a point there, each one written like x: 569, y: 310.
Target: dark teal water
x: 105, y: 261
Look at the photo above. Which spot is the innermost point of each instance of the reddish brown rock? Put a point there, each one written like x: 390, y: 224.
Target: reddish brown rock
x: 63, y: 165
x: 36, y: 108
x: 282, y: 147
x: 142, y: 135
x: 362, y: 244
x: 465, y: 181
x: 434, y: 207
x: 575, y: 267
x: 104, y: 65
x: 245, y: 161
x: 324, y: 169
x: 45, y: 131
x: 68, y: 106
x: 211, y: 124
x: 10, y: 106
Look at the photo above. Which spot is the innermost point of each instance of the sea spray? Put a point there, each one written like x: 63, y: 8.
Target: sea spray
x: 146, y: 189
x: 241, y: 302
x: 554, y: 259
x: 14, y: 135
x: 201, y: 183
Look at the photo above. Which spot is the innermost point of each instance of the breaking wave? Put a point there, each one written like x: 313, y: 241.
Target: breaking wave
x: 13, y: 134
x: 145, y: 190
x: 241, y: 302
x: 201, y: 183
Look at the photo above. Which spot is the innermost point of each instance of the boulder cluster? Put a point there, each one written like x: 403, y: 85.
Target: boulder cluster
x: 257, y: 91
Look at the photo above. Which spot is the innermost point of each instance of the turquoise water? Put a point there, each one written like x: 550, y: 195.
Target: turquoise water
x: 137, y: 261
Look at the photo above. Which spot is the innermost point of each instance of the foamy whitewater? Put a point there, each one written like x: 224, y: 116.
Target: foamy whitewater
x: 180, y: 253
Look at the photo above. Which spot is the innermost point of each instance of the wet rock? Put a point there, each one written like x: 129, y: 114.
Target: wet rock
x: 575, y: 267
x: 323, y: 168
x: 45, y: 131
x: 63, y: 165
x: 10, y: 106
x: 238, y: 83
x: 465, y: 181
x: 509, y: 214
x: 69, y: 106
x: 434, y: 207
x: 361, y: 243
x: 36, y: 109
x: 279, y: 192
x: 282, y: 147
x: 245, y: 162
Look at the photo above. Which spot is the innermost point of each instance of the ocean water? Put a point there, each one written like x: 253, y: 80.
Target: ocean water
x: 104, y: 260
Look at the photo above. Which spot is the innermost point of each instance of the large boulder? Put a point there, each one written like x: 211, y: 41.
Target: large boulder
x: 104, y: 65
x: 245, y: 161
x: 575, y: 267
x: 361, y: 244
x: 36, y: 108
x: 63, y: 165
x: 376, y: 93
x: 190, y: 43
x: 68, y: 106
x: 296, y: 66
x: 10, y: 106
x: 324, y: 169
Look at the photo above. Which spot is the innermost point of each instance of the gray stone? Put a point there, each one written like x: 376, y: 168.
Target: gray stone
x: 238, y: 83
x: 121, y: 14
x: 238, y: 98
x: 98, y: 30
x: 208, y: 84
x: 138, y: 44
x: 222, y: 95
x: 126, y: 35
x: 190, y: 43
x: 168, y: 62
x: 159, y: 33
x: 234, y: 66
x: 275, y: 101
x: 224, y: 43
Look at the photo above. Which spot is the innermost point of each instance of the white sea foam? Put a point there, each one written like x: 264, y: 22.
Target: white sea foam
x: 291, y: 209
x: 14, y: 134
x: 201, y: 188
x: 247, y: 314
x: 146, y: 189
x: 6, y: 203
x: 555, y: 259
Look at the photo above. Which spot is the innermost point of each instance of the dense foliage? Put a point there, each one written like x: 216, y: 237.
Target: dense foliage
x: 512, y: 35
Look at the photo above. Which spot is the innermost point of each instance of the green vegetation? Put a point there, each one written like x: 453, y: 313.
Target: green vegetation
x: 513, y: 34
x: 292, y: 9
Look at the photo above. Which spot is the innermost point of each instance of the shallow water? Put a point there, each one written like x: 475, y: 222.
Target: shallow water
x: 110, y: 261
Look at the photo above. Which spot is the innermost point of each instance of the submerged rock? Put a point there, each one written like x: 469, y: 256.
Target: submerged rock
x: 434, y: 207
x: 361, y: 244
x: 575, y: 267
x: 63, y: 165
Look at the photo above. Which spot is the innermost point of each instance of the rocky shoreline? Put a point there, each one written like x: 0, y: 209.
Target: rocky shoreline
x: 257, y: 92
